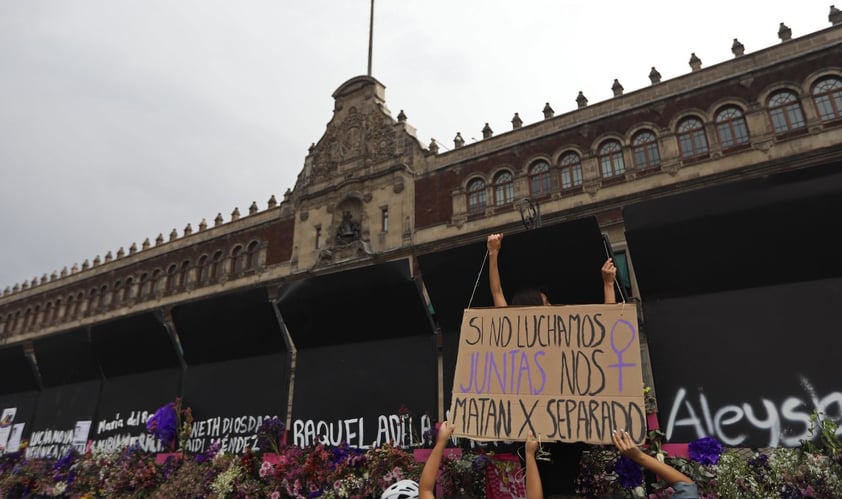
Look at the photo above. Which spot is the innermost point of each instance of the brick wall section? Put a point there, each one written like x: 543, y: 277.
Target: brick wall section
x: 797, y: 71
x: 433, y: 190
x: 279, y: 237
x: 609, y: 217
x: 432, y: 198
x: 282, y: 248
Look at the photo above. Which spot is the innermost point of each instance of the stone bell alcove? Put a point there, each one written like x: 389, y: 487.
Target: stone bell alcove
x: 348, y: 233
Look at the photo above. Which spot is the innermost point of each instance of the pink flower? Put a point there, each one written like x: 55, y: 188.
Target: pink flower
x: 275, y: 495
x: 397, y: 473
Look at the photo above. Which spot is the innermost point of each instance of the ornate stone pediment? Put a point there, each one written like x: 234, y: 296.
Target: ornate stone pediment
x: 361, y: 135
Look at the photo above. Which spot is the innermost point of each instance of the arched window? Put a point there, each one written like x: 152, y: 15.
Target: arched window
x: 144, y: 285
x: 571, y: 171
x: 93, y: 300
x: 237, y: 258
x: 155, y: 282
x: 117, y: 294
x: 540, y: 182
x: 251, y: 255
x: 731, y: 127
x: 80, y: 302
x: 785, y: 112
x: 27, y: 317
x: 39, y: 315
x: 216, y: 265
x: 103, y: 297
x: 476, y: 196
x: 71, y: 309
x: 645, y: 149
x: 172, y: 279
x: 611, y: 159
x: 692, y: 140
x: 827, y: 94
x: 504, y: 190
x: 203, y: 269
x: 184, y: 275
x: 57, y: 315
x: 128, y: 292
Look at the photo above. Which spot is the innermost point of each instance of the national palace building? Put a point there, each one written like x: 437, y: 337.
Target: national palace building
x: 714, y: 188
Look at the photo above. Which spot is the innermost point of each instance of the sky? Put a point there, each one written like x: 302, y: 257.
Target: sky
x: 122, y: 120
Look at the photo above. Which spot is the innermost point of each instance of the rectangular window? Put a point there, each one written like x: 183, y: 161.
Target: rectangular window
x: 795, y: 116
x: 476, y: 202
x: 384, y: 220
x: 623, y: 275
x: 318, y: 237
x: 725, y: 136
x: 779, y: 120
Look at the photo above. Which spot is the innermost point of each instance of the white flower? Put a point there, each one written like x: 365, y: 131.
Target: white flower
x: 60, y: 488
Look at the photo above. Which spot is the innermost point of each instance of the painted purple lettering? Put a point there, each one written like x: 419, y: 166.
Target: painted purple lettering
x: 619, y: 352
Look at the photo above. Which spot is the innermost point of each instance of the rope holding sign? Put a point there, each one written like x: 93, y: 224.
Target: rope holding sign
x: 484, y: 258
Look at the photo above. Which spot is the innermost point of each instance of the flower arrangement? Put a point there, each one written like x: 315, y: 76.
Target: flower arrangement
x: 597, y: 474
x: 649, y: 400
x: 465, y: 475
x: 812, y: 470
x: 171, y: 425
x: 706, y: 450
x: 270, y: 435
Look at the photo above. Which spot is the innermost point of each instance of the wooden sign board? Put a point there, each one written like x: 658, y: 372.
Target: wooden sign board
x: 564, y: 373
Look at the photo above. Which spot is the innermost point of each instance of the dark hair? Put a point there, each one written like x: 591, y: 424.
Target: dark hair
x: 528, y: 296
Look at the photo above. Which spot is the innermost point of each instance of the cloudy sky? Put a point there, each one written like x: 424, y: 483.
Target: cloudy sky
x: 123, y: 119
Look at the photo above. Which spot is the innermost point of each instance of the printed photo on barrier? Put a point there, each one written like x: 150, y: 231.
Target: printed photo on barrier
x: 7, y: 419
x: 56, y: 427
x: 564, y: 373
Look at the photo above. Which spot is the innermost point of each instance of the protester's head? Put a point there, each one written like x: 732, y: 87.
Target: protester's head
x: 403, y: 489
x: 530, y: 296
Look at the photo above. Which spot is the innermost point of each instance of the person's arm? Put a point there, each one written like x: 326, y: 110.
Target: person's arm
x: 427, y: 483
x: 624, y: 444
x: 609, y: 273
x: 534, y: 490
x: 493, y: 243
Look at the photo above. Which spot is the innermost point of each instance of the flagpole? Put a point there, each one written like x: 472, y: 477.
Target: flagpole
x: 370, y: 36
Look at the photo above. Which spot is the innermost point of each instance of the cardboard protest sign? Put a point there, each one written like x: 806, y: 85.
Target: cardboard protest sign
x: 565, y: 373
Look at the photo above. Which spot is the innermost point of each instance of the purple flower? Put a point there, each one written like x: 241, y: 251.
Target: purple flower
x: 790, y: 492
x: 706, y: 450
x: 66, y: 460
x: 164, y: 424
x: 209, y: 454
x: 629, y: 472
x: 314, y: 492
x: 480, y: 462
x: 271, y: 434
x: 759, y: 461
